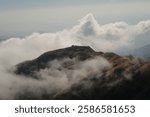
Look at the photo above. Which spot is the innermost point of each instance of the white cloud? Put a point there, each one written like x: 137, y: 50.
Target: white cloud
x: 109, y: 37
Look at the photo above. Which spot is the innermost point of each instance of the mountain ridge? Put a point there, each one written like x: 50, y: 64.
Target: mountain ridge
x: 125, y: 78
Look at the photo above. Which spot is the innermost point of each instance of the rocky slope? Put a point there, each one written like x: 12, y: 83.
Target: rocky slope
x: 125, y: 78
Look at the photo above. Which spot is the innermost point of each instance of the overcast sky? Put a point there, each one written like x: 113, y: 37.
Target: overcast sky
x: 22, y: 17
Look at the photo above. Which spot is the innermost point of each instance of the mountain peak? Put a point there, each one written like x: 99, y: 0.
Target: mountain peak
x: 72, y: 69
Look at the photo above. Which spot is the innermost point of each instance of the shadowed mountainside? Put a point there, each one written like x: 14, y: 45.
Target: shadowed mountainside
x: 127, y: 78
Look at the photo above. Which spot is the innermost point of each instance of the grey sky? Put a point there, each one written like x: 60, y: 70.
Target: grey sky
x: 20, y: 17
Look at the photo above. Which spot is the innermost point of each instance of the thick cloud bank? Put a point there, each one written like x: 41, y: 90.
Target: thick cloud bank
x: 108, y: 37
